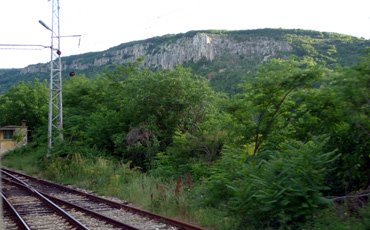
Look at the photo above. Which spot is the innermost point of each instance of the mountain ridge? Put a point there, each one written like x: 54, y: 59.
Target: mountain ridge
x: 212, y: 53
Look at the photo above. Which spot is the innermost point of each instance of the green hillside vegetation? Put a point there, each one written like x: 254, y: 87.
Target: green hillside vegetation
x: 288, y: 150
x: 227, y: 71
x: 330, y: 49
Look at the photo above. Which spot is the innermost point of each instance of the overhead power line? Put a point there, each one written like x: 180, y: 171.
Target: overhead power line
x: 22, y: 47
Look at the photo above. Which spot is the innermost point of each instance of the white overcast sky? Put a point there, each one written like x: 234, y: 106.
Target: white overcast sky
x: 107, y: 23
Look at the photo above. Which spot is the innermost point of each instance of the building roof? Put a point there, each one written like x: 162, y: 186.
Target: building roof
x: 11, y: 127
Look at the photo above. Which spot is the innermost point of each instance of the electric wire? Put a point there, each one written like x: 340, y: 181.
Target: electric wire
x: 22, y: 47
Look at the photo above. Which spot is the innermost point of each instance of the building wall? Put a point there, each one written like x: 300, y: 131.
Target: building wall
x: 6, y: 145
x: 20, y: 133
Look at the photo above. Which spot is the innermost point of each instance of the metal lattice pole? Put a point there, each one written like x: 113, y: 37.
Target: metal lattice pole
x: 55, y: 118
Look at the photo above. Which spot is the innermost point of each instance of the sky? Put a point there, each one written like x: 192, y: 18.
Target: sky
x: 108, y: 23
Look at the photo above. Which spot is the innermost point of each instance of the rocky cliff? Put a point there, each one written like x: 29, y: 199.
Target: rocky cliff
x: 214, y: 54
x: 172, y: 52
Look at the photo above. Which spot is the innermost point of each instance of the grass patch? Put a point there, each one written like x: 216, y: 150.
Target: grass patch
x: 105, y: 176
x: 108, y: 177
x: 111, y: 178
x: 25, y: 159
x: 330, y: 219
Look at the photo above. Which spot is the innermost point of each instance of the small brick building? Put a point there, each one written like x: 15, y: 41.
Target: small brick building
x: 12, y: 136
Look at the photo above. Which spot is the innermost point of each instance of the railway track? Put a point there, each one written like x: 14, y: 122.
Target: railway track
x: 39, y: 204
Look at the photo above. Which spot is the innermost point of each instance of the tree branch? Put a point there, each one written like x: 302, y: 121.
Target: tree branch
x: 349, y: 196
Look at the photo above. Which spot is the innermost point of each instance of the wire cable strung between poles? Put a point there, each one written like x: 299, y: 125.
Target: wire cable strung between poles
x: 55, y: 104
x: 22, y: 47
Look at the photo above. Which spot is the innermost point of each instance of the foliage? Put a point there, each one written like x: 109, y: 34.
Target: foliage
x: 269, y: 156
x: 193, y: 153
x: 18, y: 135
x: 24, y: 101
x: 225, y: 71
x: 134, y: 113
x: 95, y: 171
x: 329, y: 48
x: 172, y: 100
x: 156, y: 104
x: 225, y: 171
x: 27, y: 159
x: 282, y: 188
x: 285, y: 189
x: 328, y: 219
x: 267, y: 98
x: 352, y: 132
x: 82, y: 98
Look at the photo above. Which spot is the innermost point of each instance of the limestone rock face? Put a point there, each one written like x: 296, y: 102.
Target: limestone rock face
x: 168, y: 53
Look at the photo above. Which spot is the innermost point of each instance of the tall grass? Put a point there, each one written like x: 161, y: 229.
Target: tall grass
x: 111, y: 178
x: 25, y: 159
x: 107, y: 177
x: 165, y: 197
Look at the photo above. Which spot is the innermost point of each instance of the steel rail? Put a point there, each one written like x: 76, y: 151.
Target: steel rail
x: 172, y: 222
x: 92, y: 213
x: 51, y: 204
x: 18, y: 219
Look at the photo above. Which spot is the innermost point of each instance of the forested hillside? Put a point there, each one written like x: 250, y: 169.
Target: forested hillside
x: 287, y: 148
x: 223, y: 57
x: 275, y: 155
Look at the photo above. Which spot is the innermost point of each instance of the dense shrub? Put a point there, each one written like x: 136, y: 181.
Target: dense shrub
x: 284, y: 189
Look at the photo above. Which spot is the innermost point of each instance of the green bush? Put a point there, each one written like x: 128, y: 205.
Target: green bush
x: 276, y: 189
x: 284, y: 190
x: 224, y: 172
x: 330, y: 220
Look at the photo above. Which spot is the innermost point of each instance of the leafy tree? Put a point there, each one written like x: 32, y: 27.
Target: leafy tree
x: 103, y: 125
x: 134, y: 113
x: 25, y: 101
x: 193, y: 152
x: 267, y: 99
x: 164, y: 101
x: 352, y: 134
x: 81, y: 98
